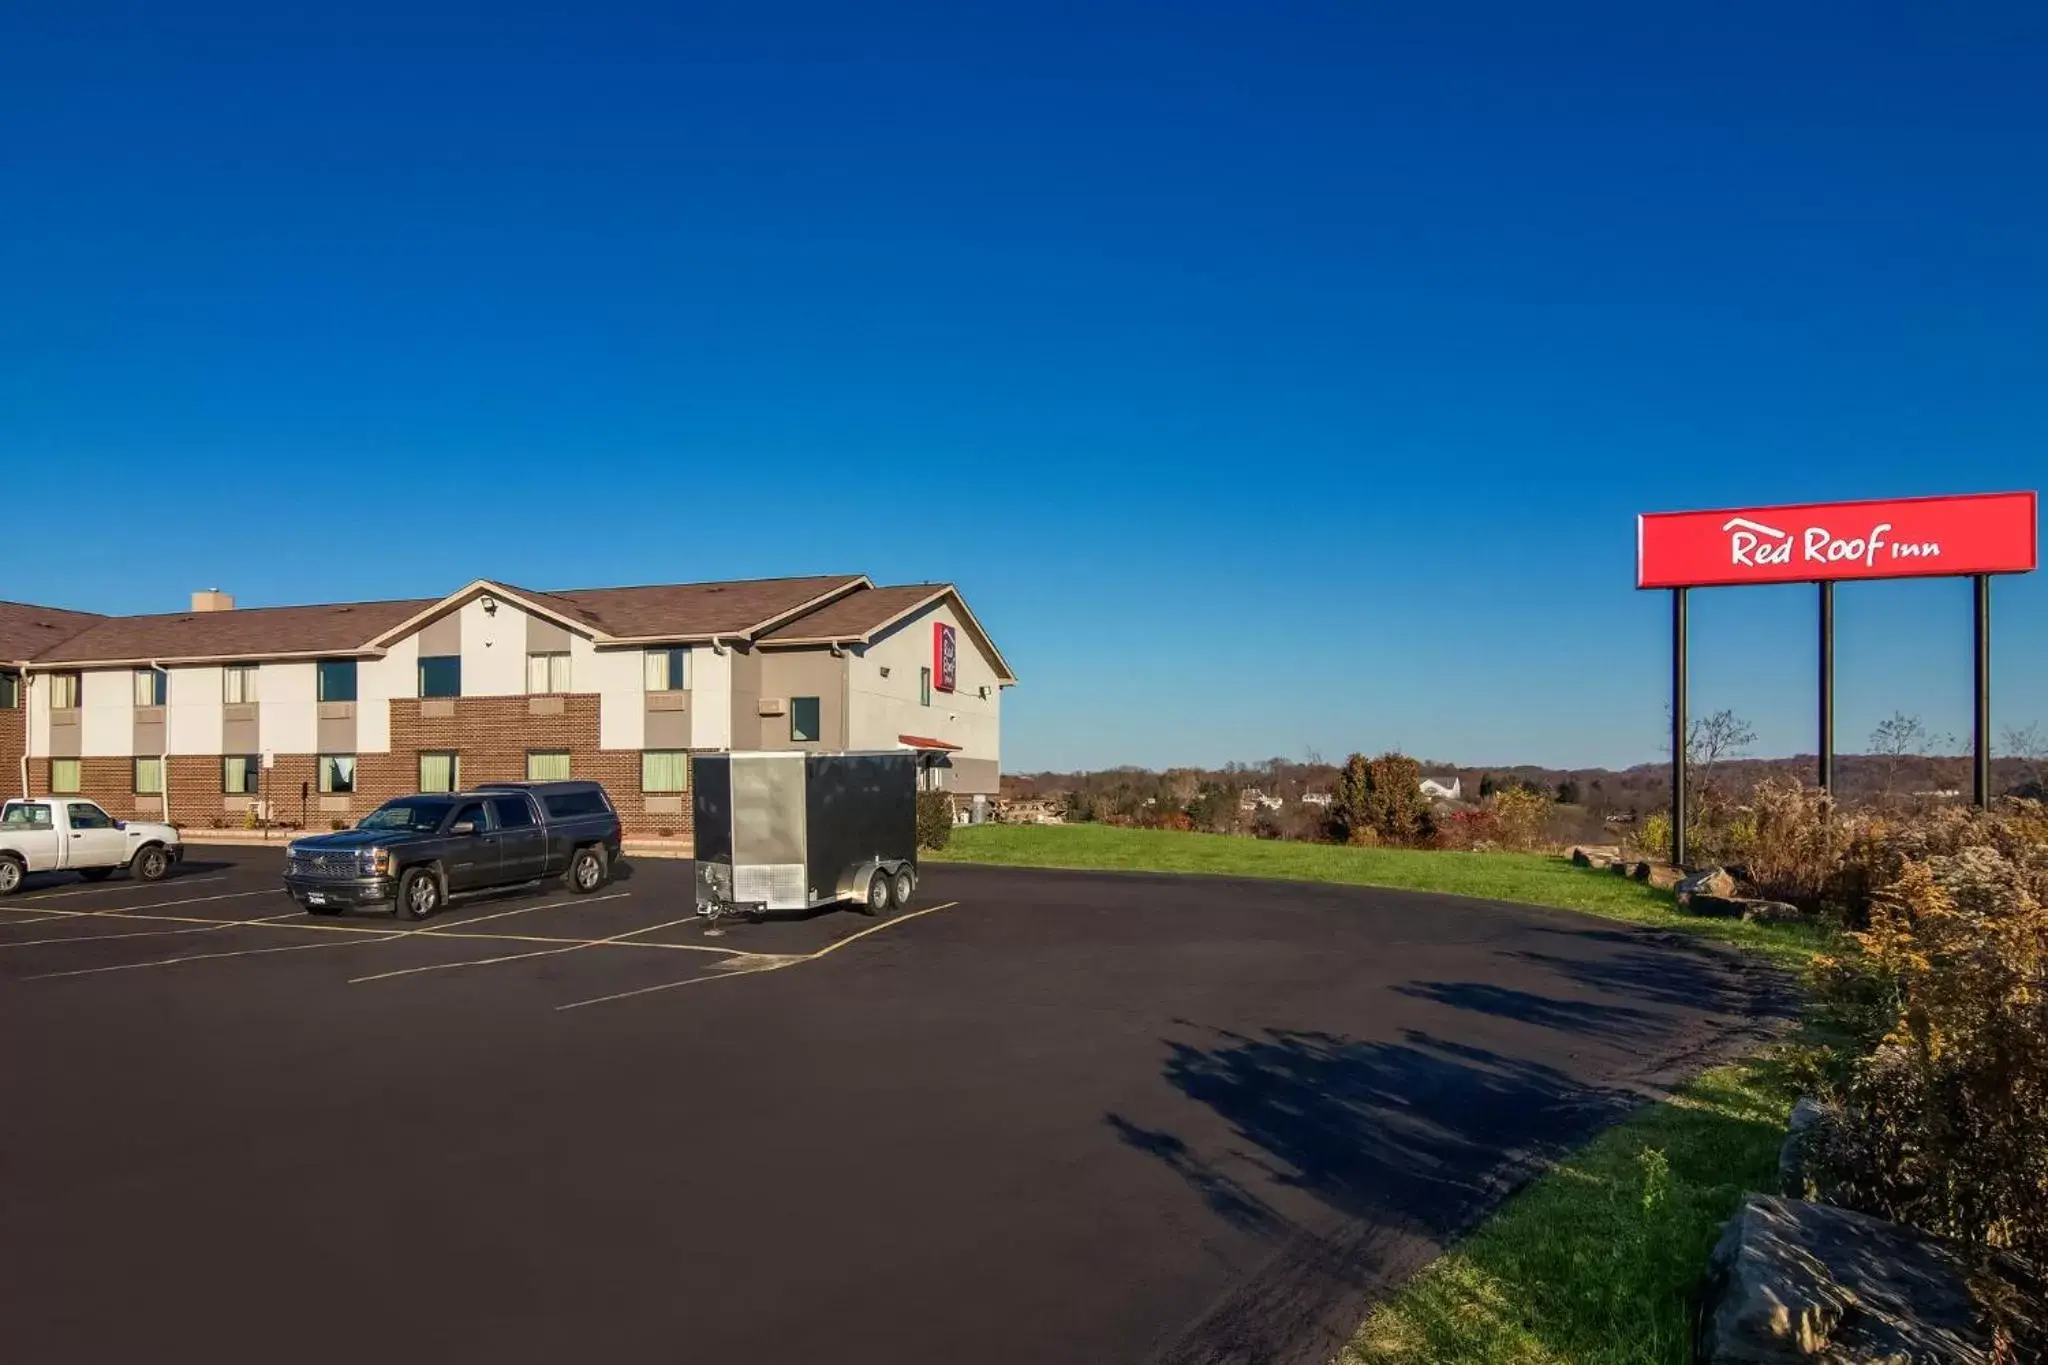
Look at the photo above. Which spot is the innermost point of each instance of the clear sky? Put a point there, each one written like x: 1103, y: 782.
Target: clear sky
x: 1270, y: 377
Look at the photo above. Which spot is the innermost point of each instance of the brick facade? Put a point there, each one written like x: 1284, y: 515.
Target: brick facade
x: 492, y: 734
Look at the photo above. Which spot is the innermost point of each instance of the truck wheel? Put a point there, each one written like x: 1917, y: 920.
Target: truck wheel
x: 419, y: 894
x: 900, y: 888
x: 95, y: 874
x: 11, y: 873
x: 877, y: 902
x: 586, y: 871
x: 150, y: 865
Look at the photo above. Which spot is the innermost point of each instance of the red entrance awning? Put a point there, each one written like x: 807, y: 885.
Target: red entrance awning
x: 923, y: 742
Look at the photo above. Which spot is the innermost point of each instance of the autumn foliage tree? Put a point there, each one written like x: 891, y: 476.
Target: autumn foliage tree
x: 1380, y: 801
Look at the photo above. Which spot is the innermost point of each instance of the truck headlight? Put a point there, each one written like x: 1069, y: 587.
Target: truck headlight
x: 377, y: 861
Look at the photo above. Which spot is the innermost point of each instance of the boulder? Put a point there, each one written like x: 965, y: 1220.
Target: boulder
x: 1714, y: 907
x: 1772, y: 912
x: 1796, y: 1176
x: 1793, y: 1281
x: 1596, y: 855
x: 1622, y: 867
x: 1711, y: 881
x: 1663, y: 876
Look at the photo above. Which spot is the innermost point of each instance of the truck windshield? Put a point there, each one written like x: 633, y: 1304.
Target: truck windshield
x: 413, y: 815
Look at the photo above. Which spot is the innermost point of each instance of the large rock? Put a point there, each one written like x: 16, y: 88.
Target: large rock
x: 1714, y: 907
x: 1711, y: 881
x: 1596, y: 855
x: 1792, y: 1281
x: 1663, y: 876
x: 1796, y: 1174
x: 1772, y: 912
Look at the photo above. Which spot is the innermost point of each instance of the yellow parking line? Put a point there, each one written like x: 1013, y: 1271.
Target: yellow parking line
x: 102, y: 890
x: 519, y: 957
x: 207, y: 957
x: 135, y: 911
x: 776, y: 966
x: 143, y: 933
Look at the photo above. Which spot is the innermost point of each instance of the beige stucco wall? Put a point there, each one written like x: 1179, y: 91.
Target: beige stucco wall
x: 885, y: 707
x: 788, y: 673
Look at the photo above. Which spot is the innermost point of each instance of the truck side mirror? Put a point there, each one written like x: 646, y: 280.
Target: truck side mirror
x: 463, y: 827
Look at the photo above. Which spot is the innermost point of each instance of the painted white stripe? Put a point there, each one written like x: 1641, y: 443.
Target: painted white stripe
x: 148, y: 933
x: 109, y: 888
x: 518, y: 957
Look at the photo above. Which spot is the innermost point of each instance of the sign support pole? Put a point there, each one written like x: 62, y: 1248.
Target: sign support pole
x: 1981, y: 778
x: 1827, y: 687
x: 1678, y: 726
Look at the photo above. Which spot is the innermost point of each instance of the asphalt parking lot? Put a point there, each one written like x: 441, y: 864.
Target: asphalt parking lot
x: 1039, y: 1116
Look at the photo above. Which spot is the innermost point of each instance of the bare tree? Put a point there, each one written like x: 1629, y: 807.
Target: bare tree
x: 1711, y: 741
x: 2029, y: 746
x: 1895, y: 740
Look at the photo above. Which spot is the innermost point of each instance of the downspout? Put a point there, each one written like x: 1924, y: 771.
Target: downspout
x: 841, y: 653
x: 163, y: 760
x: 28, y: 728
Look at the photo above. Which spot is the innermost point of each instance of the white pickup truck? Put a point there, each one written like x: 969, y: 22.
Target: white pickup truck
x: 66, y: 834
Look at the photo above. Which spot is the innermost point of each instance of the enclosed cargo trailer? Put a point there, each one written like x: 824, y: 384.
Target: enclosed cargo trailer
x: 785, y: 830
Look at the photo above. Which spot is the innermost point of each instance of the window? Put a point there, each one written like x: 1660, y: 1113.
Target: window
x: 238, y: 774
x: 547, y: 765
x: 668, y: 670
x: 151, y: 686
x: 238, y: 684
x: 803, y: 719
x: 85, y: 815
x: 337, y: 680
x: 476, y: 813
x: 27, y: 815
x: 63, y: 776
x: 149, y: 777
x: 513, y: 812
x: 10, y: 690
x: 547, y: 673
x: 441, y: 676
x: 337, y: 773
x: 924, y: 687
x: 665, y: 770
x: 440, y: 772
x: 64, y: 691
x: 566, y: 805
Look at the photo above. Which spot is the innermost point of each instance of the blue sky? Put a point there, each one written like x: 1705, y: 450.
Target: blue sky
x: 1270, y: 377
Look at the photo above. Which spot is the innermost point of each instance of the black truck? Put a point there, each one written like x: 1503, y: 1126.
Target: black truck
x: 416, y: 853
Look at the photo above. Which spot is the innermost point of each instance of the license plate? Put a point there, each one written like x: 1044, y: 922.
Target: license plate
x: 315, y: 898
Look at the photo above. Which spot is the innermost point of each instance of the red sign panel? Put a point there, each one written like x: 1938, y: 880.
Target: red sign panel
x: 1810, y: 542
x: 945, y: 657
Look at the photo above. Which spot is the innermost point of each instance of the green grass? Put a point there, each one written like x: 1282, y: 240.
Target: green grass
x: 1595, y: 1262
x: 1531, y: 878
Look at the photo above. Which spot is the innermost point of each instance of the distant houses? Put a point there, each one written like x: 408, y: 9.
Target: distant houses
x: 1446, y: 788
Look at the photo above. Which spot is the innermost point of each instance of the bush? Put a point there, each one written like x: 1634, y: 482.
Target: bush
x: 1939, y: 1015
x: 934, y: 820
x: 1380, y: 801
x: 1519, y: 815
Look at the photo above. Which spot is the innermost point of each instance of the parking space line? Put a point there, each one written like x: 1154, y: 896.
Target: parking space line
x: 150, y: 905
x: 440, y: 929
x: 781, y: 964
x: 210, y: 957
x: 621, y: 939
x: 209, y: 928
x: 103, y: 890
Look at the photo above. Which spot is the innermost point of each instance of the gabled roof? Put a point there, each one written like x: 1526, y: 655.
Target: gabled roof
x: 858, y: 617
x: 242, y: 633
x: 26, y: 630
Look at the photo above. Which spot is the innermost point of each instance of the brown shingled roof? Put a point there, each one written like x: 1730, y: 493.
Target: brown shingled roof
x: 857, y: 615
x: 26, y: 631
x: 243, y: 633
x: 687, y: 610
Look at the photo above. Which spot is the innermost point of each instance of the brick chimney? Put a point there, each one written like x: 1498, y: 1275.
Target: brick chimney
x: 212, y: 599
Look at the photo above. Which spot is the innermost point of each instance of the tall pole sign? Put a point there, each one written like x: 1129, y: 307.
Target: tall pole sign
x: 1974, y: 535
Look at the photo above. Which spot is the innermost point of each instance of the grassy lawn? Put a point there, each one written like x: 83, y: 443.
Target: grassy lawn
x: 1594, y: 1263
x: 1531, y: 878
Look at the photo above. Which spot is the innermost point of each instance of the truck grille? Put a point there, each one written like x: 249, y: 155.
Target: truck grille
x: 331, y: 865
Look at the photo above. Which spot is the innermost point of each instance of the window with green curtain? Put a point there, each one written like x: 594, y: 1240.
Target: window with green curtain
x: 238, y: 774
x: 64, y: 691
x: 238, y: 684
x: 547, y: 673
x: 440, y: 772
x: 665, y: 770
x: 152, y: 686
x: 337, y: 679
x: 668, y: 670
x: 337, y: 773
x: 547, y: 765
x: 804, y: 727
x: 149, y: 776
x: 64, y: 776
x: 441, y: 676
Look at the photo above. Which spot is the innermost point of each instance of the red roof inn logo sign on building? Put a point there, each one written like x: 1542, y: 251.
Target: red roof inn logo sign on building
x: 1909, y: 538
x: 1972, y: 536
x: 945, y: 657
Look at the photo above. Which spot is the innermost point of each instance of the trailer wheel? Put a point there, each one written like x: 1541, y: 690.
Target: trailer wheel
x: 901, y: 887
x: 877, y: 902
